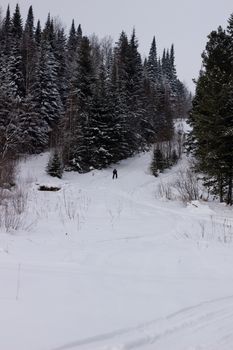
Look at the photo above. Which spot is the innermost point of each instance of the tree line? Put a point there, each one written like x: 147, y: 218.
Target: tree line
x: 94, y: 102
x: 211, y: 119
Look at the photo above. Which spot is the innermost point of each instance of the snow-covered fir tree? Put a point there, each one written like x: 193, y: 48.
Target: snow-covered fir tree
x: 211, y: 138
x: 55, y: 166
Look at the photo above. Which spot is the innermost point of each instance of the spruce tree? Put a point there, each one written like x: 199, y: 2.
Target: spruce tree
x: 80, y: 98
x: 17, y: 26
x: 29, y: 52
x: 6, y: 35
x: 55, y: 166
x: 135, y: 94
x: 121, y: 96
x: 158, y: 162
x: 15, y: 57
x: 105, y: 140
x: 49, y: 99
x: 152, y: 64
x: 71, y: 55
x: 60, y: 57
x: 211, y: 139
x: 38, y: 34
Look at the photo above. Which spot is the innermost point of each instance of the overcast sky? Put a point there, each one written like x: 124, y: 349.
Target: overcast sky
x: 186, y: 23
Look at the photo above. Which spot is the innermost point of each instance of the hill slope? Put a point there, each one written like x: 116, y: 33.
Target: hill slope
x: 104, y: 265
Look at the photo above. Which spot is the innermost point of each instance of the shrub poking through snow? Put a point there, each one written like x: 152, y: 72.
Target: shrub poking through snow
x: 13, y: 208
x: 49, y: 188
x: 55, y: 166
x: 187, y: 185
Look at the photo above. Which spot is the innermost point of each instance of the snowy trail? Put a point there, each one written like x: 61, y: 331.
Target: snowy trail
x: 203, y: 317
x: 107, y: 266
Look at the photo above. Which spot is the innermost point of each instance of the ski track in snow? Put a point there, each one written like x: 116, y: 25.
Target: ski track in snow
x: 193, y: 319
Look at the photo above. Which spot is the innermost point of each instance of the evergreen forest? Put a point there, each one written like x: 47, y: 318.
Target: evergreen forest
x: 92, y: 102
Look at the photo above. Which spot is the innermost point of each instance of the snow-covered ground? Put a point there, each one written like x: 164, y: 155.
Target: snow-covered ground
x: 105, y: 264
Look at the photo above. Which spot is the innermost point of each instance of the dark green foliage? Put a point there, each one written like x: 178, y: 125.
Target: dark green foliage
x: 51, y: 107
x: 17, y: 27
x: 79, y: 140
x: 38, y: 34
x: 32, y: 129
x: 174, y: 157
x: 158, y: 162
x: 72, y: 41
x: 96, y: 102
x: 29, y: 53
x: 60, y: 57
x: 6, y: 34
x: 55, y: 165
x: 211, y: 138
x: 152, y: 64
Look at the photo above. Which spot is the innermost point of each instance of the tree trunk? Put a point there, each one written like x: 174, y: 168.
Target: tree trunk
x: 229, y: 192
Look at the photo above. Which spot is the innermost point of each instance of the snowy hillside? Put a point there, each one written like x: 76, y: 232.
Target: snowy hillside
x: 106, y: 264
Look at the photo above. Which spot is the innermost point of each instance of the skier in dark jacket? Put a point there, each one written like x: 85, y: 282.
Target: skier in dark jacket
x: 114, y: 174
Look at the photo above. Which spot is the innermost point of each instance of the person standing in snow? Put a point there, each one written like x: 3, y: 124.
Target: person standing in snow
x: 114, y: 174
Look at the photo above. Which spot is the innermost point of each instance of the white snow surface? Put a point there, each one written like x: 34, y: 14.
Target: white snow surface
x: 105, y: 264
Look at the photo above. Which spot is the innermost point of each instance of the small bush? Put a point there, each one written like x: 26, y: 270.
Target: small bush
x: 187, y: 185
x: 165, y: 191
x: 13, y: 205
x: 20, y: 200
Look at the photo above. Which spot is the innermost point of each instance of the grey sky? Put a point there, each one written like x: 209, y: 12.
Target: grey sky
x: 186, y: 23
